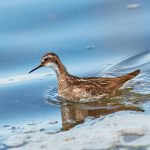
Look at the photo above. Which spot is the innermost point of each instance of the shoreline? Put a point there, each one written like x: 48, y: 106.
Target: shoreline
x: 124, y: 129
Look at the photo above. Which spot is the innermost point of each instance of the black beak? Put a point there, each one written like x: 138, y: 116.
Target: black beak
x: 36, y: 68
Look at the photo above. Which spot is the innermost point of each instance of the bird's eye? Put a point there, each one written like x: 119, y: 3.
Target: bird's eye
x: 45, y: 59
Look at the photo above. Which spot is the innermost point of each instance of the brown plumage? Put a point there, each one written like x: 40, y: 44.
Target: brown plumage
x: 74, y: 88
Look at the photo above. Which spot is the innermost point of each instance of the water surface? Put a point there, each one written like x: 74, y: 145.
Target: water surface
x: 92, y: 38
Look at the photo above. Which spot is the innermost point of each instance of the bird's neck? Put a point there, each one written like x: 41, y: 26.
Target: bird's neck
x: 60, y: 71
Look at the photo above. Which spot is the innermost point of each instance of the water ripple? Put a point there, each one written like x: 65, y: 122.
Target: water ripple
x: 134, y: 91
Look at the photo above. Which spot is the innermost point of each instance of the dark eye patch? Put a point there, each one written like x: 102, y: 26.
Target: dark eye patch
x: 46, y: 59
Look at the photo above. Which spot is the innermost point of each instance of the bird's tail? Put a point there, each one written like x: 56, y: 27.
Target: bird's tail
x: 127, y: 77
x: 133, y: 74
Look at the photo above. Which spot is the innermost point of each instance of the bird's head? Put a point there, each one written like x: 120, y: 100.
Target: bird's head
x: 48, y: 60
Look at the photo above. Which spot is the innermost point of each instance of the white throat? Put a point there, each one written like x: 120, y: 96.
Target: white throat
x: 54, y: 67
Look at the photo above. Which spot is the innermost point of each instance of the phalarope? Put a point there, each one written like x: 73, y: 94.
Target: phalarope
x: 74, y: 88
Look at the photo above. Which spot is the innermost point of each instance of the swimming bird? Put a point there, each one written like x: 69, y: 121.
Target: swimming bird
x: 76, y: 89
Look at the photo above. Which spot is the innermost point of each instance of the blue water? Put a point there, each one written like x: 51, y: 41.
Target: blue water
x: 89, y: 36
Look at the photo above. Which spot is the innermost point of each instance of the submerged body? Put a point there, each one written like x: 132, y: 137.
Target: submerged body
x: 74, y: 88
x: 82, y: 89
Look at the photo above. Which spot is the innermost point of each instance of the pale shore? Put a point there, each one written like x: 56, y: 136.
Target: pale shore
x: 121, y: 130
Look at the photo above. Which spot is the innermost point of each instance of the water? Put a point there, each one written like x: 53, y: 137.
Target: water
x: 92, y: 38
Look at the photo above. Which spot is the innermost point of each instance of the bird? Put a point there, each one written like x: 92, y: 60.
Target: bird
x: 77, y: 89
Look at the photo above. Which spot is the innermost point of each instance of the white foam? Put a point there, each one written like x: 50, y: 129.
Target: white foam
x: 105, y: 133
x: 20, y: 78
x: 133, y: 6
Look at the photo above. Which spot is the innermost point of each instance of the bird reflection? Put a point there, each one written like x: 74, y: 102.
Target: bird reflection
x: 73, y: 114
